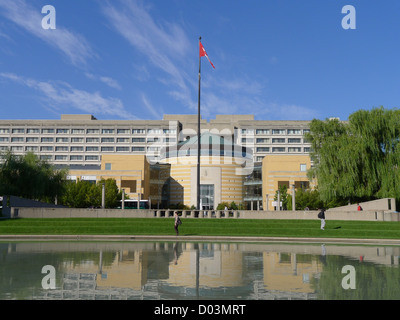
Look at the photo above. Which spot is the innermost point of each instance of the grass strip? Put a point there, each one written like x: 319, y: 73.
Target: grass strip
x: 201, y: 227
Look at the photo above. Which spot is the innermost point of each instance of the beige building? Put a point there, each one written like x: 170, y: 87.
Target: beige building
x: 288, y: 170
x: 243, y: 160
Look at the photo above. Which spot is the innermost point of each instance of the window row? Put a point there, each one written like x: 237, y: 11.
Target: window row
x: 283, y: 149
x: 70, y: 158
x: 88, y: 131
x: 82, y: 140
x: 273, y: 140
x: 250, y: 131
x: 77, y: 149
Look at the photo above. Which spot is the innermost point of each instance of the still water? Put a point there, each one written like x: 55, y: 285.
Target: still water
x: 202, y: 270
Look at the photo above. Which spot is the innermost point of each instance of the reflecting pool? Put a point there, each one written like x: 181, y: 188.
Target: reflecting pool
x: 196, y: 270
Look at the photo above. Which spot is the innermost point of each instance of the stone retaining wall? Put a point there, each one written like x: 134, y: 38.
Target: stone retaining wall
x: 30, y: 212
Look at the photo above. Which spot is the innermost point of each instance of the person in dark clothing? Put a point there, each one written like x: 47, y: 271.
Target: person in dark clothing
x: 321, y: 215
x: 177, y: 222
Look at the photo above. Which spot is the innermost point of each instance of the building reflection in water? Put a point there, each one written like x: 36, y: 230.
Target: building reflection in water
x: 183, y: 270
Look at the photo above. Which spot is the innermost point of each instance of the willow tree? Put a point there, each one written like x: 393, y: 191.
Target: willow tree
x: 358, y: 159
x: 29, y: 177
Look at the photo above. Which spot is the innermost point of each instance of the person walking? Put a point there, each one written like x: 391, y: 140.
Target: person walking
x: 177, y: 222
x: 321, y: 215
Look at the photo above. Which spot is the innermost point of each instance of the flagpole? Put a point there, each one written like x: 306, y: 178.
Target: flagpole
x: 198, y: 136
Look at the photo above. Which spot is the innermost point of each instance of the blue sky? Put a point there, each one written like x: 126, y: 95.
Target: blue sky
x: 128, y: 59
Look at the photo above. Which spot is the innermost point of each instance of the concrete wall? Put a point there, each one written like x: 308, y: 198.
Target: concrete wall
x: 78, y: 213
x: 388, y: 204
x: 244, y: 214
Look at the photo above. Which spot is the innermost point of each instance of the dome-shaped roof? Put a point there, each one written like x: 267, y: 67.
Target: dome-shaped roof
x: 210, y: 145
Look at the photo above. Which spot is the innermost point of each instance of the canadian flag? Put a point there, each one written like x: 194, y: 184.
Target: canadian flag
x: 203, y: 53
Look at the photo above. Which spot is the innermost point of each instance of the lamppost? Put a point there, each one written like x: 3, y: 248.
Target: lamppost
x: 103, y: 195
x: 293, y: 198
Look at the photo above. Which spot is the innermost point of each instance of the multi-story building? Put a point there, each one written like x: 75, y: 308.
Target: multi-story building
x: 137, y: 153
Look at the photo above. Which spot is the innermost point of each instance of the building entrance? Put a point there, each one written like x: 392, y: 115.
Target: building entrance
x: 207, y: 196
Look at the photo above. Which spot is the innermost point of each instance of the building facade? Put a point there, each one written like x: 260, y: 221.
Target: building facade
x: 146, y: 157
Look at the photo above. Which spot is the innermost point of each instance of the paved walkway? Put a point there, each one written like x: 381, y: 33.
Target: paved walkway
x: 189, y: 238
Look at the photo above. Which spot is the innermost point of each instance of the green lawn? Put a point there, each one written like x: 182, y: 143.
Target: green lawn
x: 202, y: 227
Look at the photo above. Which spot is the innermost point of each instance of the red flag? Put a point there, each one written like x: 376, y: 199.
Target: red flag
x: 204, y: 53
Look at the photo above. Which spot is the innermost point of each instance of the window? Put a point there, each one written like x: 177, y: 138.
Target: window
x: 32, y: 130
x: 138, y: 131
x: 3, y: 148
x: 123, y: 140
x: 17, y: 139
x: 306, y: 149
x: 259, y: 158
x: 77, y: 140
x: 294, y: 140
x: 169, y: 140
x: 18, y: 130
x: 278, y: 140
x: 46, y: 148
x: 91, y: 158
x: 262, y: 140
x: 47, y: 140
x: 93, y: 131
x: 107, y: 149
x: 107, y: 131
x: 78, y: 131
x: 278, y: 131
x: 61, y: 158
x: 262, y: 131
x: 152, y: 139
x: 76, y: 158
x: 169, y: 131
x: 141, y: 149
x: 47, y: 131
x: 306, y: 131
x: 17, y: 148
x: 262, y: 149
x: 63, y: 148
x: 31, y: 148
x: 32, y: 139
x: 123, y: 131
x: 122, y: 149
x: 278, y: 149
x: 5, y: 139
x: 294, y: 131
x: 154, y: 131
x: 138, y: 140
x: 107, y: 140
x: 62, y: 140
x: 92, y: 140
x: 247, y: 131
x: 303, y: 167
x: 108, y: 166
x: 92, y: 149
x: 46, y: 157
x: 207, y: 196
x: 247, y: 140
x: 62, y: 131
x: 76, y: 149
x: 294, y: 149
x: 4, y: 130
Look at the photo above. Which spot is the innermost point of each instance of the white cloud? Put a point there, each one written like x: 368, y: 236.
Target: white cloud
x: 73, y: 45
x: 164, y: 44
x: 59, y: 94
x: 157, y: 114
x: 106, y: 80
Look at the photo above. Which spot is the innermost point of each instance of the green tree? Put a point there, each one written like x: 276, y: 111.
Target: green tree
x: 29, y: 177
x: 283, y: 196
x: 357, y: 160
x: 84, y: 194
